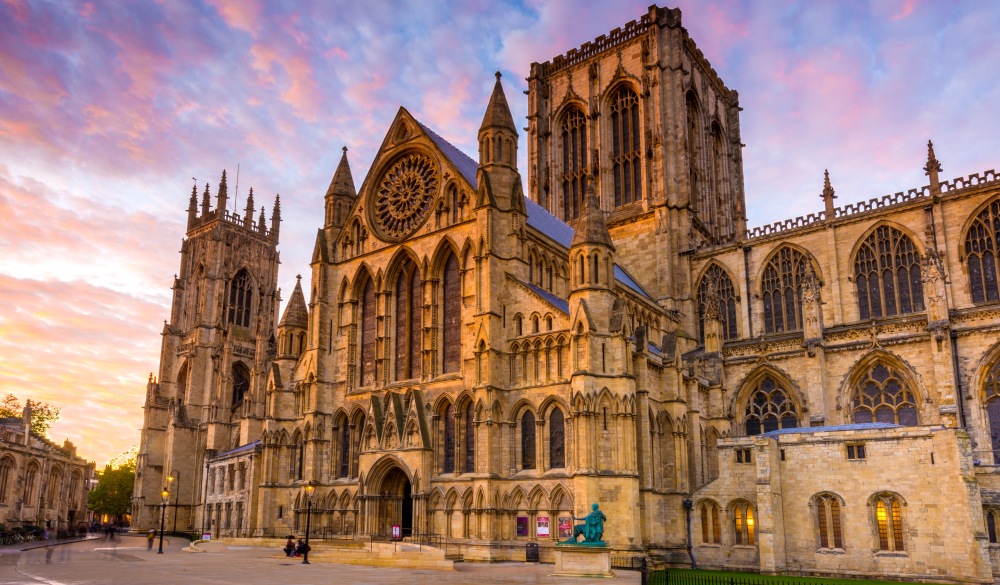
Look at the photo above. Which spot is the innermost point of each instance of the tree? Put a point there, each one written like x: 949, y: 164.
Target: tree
x: 113, y: 494
x: 43, y: 414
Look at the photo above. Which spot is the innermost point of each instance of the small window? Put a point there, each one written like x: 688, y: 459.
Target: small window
x: 782, y: 452
x: 281, y: 511
x: 856, y: 452
x: 743, y: 456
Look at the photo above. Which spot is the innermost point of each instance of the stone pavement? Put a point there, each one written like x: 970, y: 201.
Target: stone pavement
x: 126, y: 560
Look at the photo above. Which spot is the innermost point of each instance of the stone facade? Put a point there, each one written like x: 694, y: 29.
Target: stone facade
x: 471, y: 360
x: 41, y: 483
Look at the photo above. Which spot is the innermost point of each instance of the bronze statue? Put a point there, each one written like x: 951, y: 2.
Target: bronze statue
x: 592, y: 529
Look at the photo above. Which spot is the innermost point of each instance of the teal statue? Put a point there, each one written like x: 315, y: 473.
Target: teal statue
x: 592, y: 529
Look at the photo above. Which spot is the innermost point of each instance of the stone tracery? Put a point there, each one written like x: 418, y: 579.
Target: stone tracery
x: 405, y: 194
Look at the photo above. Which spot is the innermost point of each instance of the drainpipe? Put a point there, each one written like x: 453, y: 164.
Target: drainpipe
x: 688, y: 506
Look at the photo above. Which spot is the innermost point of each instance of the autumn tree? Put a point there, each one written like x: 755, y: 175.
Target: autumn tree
x: 113, y: 494
x: 43, y: 414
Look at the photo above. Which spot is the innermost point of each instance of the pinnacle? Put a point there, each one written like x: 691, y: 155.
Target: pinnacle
x: 342, y: 182
x: 591, y: 229
x: 828, y: 192
x: 933, y: 164
x: 498, y: 112
x: 296, y: 314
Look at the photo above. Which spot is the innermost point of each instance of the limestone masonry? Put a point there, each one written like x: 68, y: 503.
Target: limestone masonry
x: 481, y: 357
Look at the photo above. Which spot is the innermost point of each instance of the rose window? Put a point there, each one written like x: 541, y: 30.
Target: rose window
x: 404, y: 196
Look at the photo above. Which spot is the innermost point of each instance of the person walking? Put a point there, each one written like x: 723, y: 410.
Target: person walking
x: 150, y: 537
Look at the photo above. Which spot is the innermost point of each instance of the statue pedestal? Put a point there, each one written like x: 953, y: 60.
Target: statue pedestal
x: 583, y: 561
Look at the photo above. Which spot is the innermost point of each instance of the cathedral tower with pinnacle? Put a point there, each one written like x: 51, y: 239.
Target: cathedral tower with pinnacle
x: 216, y: 351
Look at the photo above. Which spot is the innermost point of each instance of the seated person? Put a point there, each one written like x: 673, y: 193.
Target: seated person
x: 289, y: 547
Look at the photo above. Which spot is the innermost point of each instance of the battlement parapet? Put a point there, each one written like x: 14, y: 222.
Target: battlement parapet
x: 872, y: 205
x: 232, y: 218
x: 602, y: 43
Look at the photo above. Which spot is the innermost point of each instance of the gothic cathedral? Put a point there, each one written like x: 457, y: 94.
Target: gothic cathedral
x: 481, y: 357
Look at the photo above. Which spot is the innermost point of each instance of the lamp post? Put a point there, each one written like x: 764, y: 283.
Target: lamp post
x: 163, y: 516
x: 688, y: 506
x: 177, y: 495
x: 309, y: 504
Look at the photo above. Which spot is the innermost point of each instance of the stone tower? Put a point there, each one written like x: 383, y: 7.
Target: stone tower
x: 216, y: 352
x: 642, y: 112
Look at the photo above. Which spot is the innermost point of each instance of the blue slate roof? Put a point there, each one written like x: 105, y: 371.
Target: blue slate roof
x: 834, y: 428
x: 550, y: 225
x: 465, y: 165
x: 240, y: 449
x: 557, y: 301
x: 538, y: 217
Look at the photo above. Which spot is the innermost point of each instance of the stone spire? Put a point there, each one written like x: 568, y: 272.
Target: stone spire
x: 261, y: 221
x: 222, y: 196
x: 294, y: 324
x: 205, y: 201
x: 248, y: 214
x: 193, y: 206
x: 932, y: 168
x: 591, y: 229
x: 498, y: 112
x: 828, y: 195
x: 340, y: 195
x: 276, y: 216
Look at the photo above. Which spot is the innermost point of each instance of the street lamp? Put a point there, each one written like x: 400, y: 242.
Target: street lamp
x: 163, y: 516
x: 177, y: 496
x: 309, y: 504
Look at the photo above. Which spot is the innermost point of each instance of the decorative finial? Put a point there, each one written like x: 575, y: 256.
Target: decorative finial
x: 933, y: 164
x: 298, y: 277
x: 498, y: 75
x: 828, y: 191
x: 345, y: 150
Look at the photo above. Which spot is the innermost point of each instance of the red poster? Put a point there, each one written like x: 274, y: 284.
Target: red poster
x: 565, y: 527
x: 542, y: 526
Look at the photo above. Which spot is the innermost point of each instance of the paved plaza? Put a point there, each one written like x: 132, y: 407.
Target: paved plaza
x: 126, y: 560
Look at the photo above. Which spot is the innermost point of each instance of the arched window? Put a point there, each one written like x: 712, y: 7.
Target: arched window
x: 716, y: 276
x: 887, y: 275
x: 5, y: 467
x: 518, y: 325
x: 557, y: 439
x: 367, y: 344
x: 298, y: 459
x: 882, y: 396
x: 55, y: 483
x: 241, y: 383
x: 889, y: 522
x: 240, y: 297
x: 992, y: 522
x: 470, y: 438
x: 448, y: 444
x: 781, y: 290
x: 408, y: 309
x: 722, y: 214
x: 30, y: 479
x: 694, y: 152
x: 528, y: 440
x: 828, y: 521
x: 981, y: 251
x: 769, y: 408
x: 574, y: 162
x: 453, y: 203
x: 991, y: 397
x: 710, y: 532
x: 743, y: 524
x: 451, y: 339
x: 345, y: 449
x: 625, y: 159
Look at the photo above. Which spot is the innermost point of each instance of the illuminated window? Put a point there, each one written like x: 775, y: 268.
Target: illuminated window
x: 743, y: 524
x: 889, y: 522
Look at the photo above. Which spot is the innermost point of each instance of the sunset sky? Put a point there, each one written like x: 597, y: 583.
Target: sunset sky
x: 108, y: 112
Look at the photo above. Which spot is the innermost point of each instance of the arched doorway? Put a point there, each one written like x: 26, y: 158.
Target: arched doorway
x: 395, y: 503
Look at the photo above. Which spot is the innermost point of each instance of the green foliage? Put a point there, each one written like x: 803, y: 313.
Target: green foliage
x: 43, y: 414
x: 113, y: 494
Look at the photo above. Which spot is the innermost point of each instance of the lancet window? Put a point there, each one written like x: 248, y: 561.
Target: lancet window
x: 781, y: 290
x: 408, y: 311
x: 451, y: 330
x: 367, y: 335
x: 625, y: 160
x: 726, y: 293
x: 887, y: 275
x: 557, y: 439
x: 981, y: 254
x: 574, y: 162
x: 240, y: 298
x: 883, y: 396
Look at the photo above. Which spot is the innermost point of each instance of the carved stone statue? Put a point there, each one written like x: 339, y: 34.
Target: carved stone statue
x: 592, y: 529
